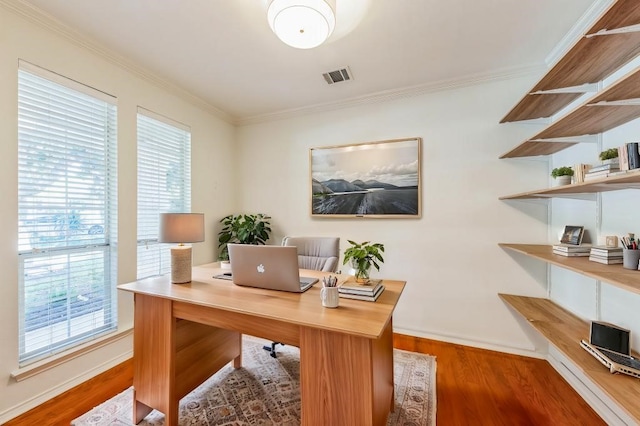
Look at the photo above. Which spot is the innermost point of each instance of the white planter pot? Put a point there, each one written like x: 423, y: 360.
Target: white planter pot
x: 562, y: 180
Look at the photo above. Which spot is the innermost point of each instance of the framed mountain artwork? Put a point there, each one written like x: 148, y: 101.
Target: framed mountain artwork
x: 373, y: 179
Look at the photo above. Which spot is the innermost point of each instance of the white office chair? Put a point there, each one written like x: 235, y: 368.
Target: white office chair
x: 317, y: 253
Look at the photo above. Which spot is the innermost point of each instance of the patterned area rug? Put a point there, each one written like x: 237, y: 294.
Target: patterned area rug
x: 265, y: 391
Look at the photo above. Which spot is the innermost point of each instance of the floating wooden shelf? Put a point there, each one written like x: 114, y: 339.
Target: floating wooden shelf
x: 616, y: 275
x: 564, y: 331
x: 630, y: 180
x: 600, y: 113
x: 590, y: 60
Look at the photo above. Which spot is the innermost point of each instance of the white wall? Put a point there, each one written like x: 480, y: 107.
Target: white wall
x: 450, y: 257
x: 213, y: 192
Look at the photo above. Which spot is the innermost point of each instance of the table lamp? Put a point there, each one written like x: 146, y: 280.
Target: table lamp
x: 181, y: 228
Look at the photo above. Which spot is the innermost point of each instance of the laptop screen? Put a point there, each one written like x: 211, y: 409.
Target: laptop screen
x: 610, y: 337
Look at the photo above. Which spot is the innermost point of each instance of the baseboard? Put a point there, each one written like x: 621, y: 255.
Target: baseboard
x: 481, y: 344
x: 606, y: 408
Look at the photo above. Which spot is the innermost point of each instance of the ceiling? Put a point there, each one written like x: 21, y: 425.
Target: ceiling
x: 223, y: 51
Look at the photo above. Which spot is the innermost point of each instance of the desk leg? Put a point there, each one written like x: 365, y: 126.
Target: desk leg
x: 153, y: 360
x: 345, y: 379
x: 237, y: 361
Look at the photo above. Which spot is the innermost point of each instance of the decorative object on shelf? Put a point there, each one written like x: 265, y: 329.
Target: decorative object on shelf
x: 243, y: 229
x: 384, y: 179
x: 611, y: 241
x: 362, y: 256
x: 562, y: 175
x: 630, y: 258
x: 572, y: 235
x: 181, y: 228
x: 303, y: 24
x: 609, y: 156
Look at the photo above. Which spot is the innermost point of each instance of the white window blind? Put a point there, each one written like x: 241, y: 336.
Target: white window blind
x: 164, y: 185
x: 66, y: 212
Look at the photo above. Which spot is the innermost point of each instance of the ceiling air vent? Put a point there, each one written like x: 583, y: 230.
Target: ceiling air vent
x: 337, y: 76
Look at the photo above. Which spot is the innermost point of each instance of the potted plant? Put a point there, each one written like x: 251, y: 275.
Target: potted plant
x: 242, y: 229
x: 562, y: 174
x: 609, y: 155
x: 362, y: 256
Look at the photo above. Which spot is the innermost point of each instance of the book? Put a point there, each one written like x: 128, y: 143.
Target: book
x: 606, y: 261
x: 634, y: 155
x: 601, y: 167
x: 623, y: 156
x: 568, y: 248
x: 604, y: 250
x: 369, y: 298
x: 354, y: 287
x: 579, y: 170
x: 571, y: 254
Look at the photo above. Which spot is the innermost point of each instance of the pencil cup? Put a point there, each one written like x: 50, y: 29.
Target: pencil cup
x: 630, y: 258
x: 329, y: 297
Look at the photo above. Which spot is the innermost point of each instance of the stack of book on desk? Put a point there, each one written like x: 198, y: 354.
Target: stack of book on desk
x: 570, y: 250
x: 370, y: 291
x: 606, y: 255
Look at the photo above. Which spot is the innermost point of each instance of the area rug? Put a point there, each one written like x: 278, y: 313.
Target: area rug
x: 265, y: 391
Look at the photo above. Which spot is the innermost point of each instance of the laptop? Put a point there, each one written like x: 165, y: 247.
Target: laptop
x: 268, y: 267
x: 609, y: 344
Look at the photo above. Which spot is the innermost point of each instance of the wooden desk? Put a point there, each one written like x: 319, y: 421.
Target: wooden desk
x: 184, y: 333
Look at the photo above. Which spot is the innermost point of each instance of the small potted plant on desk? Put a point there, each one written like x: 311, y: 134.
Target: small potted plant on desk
x: 242, y: 229
x: 362, y: 256
x: 562, y: 175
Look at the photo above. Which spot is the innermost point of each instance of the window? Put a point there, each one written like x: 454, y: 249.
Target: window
x: 66, y: 213
x: 164, y: 185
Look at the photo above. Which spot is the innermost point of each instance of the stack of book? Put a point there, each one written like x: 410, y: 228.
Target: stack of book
x: 602, y: 171
x: 628, y: 156
x: 370, y: 291
x: 579, y: 171
x: 571, y: 250
x: 606, y: 255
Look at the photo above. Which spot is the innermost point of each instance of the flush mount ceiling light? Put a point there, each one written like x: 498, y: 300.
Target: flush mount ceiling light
x: 302, y: 24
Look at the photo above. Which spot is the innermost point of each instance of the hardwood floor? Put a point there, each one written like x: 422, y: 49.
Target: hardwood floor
x: 73, y: 403
x: 474, y: 387
x: 480, y: 387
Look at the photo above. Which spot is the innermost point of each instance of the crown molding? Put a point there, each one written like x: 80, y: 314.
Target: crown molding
x: 390, y: 95
x: 49, y: 22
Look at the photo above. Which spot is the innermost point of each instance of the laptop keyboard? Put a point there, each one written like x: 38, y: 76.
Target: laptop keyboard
x: 621, y: 359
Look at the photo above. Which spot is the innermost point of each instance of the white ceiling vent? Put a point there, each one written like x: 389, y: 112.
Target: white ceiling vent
x: 337, y: 76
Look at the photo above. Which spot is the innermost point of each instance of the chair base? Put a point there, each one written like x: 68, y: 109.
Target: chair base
x: 272, y: 349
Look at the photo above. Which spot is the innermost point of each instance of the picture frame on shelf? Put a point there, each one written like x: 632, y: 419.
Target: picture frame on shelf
x: 373, y: 179
x: 572, y: 235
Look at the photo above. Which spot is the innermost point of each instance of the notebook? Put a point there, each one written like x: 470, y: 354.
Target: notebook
x: 609, y: 344
x: 269, y: 267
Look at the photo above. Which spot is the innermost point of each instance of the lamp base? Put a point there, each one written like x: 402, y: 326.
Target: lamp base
x: 181, y: 264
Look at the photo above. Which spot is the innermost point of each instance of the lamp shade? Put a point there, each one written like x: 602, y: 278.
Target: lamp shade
x: 181, y: 228
x: 303, y: 24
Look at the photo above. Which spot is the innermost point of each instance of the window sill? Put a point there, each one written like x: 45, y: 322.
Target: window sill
x: 44, y: 365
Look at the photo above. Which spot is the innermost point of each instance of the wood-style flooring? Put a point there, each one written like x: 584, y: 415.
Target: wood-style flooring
x: 474, y: 387
x: 479, y: 387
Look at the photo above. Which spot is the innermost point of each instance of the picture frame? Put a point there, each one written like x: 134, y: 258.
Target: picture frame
x: 572, y: 235
x: 372, y: 179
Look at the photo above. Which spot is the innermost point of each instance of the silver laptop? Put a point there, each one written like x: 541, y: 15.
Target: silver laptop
x: 269, y: 267
x: 609, y: 344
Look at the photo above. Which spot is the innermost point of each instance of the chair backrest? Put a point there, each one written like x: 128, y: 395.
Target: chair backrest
x: 318, y: 253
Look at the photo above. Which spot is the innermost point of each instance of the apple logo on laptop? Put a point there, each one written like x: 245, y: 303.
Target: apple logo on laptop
x: 260, y: 268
